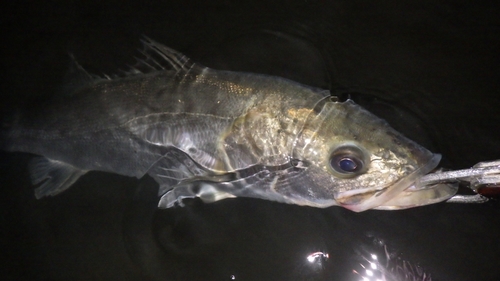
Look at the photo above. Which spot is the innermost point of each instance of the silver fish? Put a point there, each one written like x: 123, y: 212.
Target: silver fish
x: 212, y: 134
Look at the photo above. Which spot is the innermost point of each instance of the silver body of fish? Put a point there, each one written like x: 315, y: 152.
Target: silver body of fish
x: 215, y: 134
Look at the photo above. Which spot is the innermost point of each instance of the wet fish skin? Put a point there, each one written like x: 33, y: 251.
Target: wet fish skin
x: 214, y: 134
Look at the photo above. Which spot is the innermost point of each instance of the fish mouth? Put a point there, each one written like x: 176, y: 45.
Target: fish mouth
x: 402, y: 194
x: 417, y: 196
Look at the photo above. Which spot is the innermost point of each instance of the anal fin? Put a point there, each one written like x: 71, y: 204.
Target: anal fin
x: 56, y: 176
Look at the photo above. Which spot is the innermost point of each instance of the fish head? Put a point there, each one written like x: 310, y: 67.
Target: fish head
x: 356, y: 160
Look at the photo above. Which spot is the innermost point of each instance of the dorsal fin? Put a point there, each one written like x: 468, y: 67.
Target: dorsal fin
x: 160, y: 57
x: 77, y: 77
x: 157, y: 57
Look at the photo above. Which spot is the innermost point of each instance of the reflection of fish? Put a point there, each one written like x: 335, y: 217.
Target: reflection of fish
x: 217, y: 134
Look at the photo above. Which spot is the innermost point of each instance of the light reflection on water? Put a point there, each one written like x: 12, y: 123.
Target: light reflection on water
x: 317, y: 257
x: 388, y: 266
x: 374, y: 263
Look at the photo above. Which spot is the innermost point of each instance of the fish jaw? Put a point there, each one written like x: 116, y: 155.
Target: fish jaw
x: 414, y: 197
x: 400, y: 195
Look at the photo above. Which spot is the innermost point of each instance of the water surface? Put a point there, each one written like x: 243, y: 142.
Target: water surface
x: 430, y: 68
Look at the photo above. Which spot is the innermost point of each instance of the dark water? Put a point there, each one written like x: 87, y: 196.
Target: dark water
x: 430, y: 67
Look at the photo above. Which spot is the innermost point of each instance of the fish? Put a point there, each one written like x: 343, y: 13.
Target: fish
x: 215, y: 134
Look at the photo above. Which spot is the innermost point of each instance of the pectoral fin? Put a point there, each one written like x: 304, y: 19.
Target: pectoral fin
x: 206, y: 191
x: 173, y: 167
x: 254, y: 182
x: 56, y: 176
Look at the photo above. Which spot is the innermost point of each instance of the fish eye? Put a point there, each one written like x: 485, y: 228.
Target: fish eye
x: 347, y: 161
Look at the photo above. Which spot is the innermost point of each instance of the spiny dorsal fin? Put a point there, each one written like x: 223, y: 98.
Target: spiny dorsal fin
x: 157, y: 57
x: 160, y: 57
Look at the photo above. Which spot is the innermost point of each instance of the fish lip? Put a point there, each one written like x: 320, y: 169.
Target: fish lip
x: 391, y: 191
x: 375, y: 192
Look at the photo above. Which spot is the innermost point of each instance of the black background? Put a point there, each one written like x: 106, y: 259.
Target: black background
x: 431, y: 68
